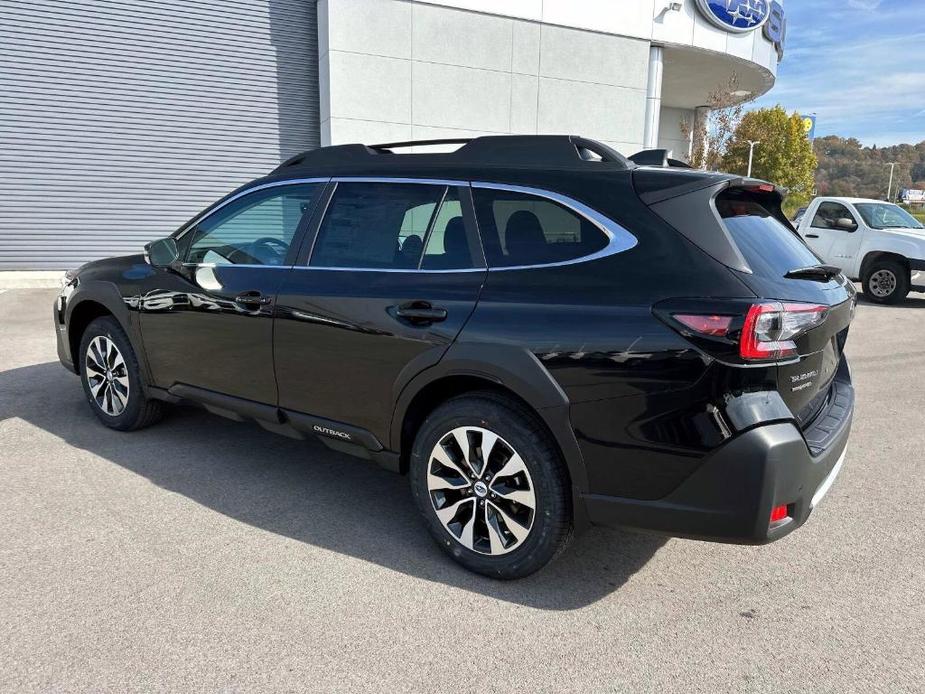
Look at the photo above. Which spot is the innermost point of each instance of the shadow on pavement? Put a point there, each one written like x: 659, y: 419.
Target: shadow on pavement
x: 914, y: 300
x: 301, y: 490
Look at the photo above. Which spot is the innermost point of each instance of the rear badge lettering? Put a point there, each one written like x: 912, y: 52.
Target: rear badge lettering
x: 331, y: 432
x: 803, y: 381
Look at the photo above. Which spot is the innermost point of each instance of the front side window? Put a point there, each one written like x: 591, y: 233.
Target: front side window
x: 828, y: 214
x: 256, y: 229
x: 376, y: 225
x: 521, y: 229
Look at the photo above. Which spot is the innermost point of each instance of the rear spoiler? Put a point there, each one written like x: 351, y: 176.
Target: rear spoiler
x: 657, y: 157
x: 654, y: 186
x: 688, y: 204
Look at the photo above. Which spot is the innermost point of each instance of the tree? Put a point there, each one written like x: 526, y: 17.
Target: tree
x: 710, y: 135
x: 864, y: 172
x: 784, y: 156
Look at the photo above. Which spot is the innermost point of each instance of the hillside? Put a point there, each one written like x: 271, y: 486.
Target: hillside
x: 846, y: 168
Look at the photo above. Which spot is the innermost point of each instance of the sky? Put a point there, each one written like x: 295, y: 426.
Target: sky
x: 859, y: 65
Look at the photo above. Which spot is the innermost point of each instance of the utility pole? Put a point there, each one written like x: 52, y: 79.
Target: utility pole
x: 889, y: 188
x: 751, y: 154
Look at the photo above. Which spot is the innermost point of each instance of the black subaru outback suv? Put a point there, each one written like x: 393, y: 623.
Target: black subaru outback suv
x: 541, y: 333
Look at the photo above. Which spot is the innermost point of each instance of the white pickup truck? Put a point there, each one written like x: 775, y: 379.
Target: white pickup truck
x: 873, y: 241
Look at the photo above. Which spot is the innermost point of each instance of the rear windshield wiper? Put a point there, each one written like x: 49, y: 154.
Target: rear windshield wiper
x: 822, y: 273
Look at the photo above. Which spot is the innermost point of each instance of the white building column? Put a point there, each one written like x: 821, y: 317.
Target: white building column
x: 653, y: 97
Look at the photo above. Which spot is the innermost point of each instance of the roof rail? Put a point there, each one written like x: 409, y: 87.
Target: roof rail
x: 420, y: 143
x: 498, y: 150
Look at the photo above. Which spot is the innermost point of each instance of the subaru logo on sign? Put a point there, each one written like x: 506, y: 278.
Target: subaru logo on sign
x: 739, y: 16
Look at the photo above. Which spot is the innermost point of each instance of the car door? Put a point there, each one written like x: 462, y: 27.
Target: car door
x: 210, y: 324
x: 828, y: 241
x: 846, y: 243
x: 393, y: 274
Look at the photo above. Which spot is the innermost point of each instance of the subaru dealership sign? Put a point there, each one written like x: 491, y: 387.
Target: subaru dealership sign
x: 738, y: 16
x: 743, y: 16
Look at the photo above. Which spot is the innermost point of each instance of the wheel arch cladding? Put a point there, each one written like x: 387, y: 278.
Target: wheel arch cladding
x: 94, y: 300
x: 512, y: 372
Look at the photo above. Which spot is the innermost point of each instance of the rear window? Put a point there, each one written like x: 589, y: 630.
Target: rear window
x: 769, y: 248
x: 520, y: 229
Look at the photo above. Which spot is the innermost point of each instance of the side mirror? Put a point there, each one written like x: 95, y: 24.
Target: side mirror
x: 162, y: 253
x: 845, y: 224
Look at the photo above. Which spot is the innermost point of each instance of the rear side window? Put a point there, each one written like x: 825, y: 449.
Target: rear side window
x: 448, y: 245
x: 521, y: 229
x: 376, y: 225
x: 769, y: 248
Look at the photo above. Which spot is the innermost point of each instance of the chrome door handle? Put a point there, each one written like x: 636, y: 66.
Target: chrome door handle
x: 421, y: 312
x: 252, y: 299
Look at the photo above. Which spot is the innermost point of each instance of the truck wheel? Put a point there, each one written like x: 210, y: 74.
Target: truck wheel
x: 491, y: 486
x: 112, y: 380
x: 886, y: 282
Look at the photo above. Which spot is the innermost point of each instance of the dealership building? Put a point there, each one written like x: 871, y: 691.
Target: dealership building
x: 120, y: 119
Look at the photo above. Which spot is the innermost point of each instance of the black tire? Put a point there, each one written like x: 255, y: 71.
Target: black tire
x: 138, y: 411
x: 883, y: 275
x: 552, y: 526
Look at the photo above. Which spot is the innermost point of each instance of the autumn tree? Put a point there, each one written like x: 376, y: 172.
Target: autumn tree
x: 784, y: 156
x: 710, y: 135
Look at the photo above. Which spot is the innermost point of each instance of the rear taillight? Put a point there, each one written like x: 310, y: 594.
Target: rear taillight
x: 770, y: 329
x: 767, y: 333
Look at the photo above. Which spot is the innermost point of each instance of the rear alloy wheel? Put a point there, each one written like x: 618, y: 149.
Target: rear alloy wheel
x: 887, y: 282
x: 491, y: 485
x: 481, y: 490
x: 112, y: 380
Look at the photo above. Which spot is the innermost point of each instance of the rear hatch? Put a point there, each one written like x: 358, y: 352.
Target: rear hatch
x: 799, y: 319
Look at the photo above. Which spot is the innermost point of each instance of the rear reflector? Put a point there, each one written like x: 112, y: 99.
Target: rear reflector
x: 778, y: 513
x: 714, y: 326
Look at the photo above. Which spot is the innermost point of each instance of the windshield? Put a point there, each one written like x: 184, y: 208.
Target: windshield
x: 882, y: 215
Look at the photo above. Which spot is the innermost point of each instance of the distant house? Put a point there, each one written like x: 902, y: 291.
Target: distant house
x: 911, y: 196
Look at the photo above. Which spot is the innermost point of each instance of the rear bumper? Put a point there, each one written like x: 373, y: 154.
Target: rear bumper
x: 730, y: 497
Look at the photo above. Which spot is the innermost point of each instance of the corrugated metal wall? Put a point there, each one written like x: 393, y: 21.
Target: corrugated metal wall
x: 120, y: 119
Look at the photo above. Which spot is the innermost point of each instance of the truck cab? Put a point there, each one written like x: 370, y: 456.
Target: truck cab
x: 871, y: 241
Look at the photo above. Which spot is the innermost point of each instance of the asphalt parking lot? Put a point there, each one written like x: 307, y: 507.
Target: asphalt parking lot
x: 202, y: 554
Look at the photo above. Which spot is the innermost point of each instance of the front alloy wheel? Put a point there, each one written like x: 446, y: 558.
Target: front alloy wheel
x: 481, y: 490
x: 112, y: 379
x: 107, y: 376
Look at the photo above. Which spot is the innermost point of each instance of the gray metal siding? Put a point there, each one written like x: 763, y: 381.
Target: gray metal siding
x: 120, y: 119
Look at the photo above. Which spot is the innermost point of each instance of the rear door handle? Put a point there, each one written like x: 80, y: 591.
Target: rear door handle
x: 812, y: 236
x: 252, y: 298
x: 421, y: 312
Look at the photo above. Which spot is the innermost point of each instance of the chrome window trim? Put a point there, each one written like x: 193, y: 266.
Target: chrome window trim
x: 619, y: 238
x: 409, y: 179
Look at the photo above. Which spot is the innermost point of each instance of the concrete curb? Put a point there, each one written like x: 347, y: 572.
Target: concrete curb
x: 30, y: 279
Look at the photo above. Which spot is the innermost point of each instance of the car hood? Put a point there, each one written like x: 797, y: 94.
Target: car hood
x: 917, y: 234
